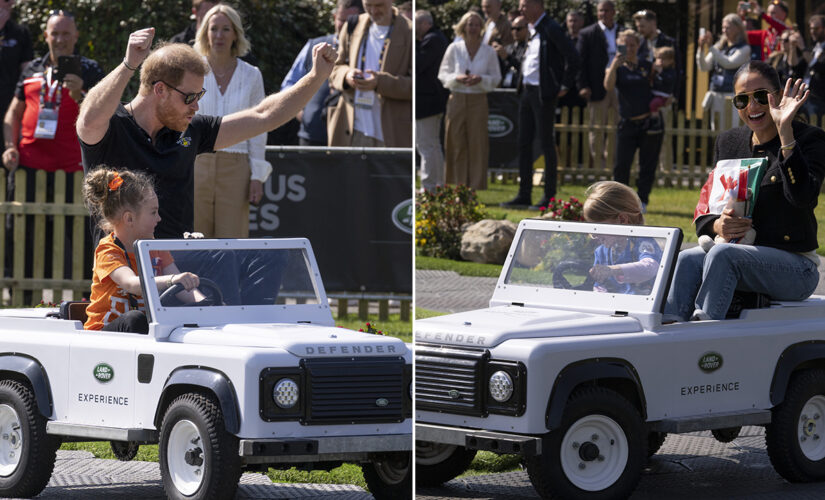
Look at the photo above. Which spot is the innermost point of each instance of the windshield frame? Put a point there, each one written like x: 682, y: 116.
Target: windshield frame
x: 317, y: 313
x: 547, y: 296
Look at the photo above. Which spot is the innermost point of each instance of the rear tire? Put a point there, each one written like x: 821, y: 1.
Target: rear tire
x: 27, y: 453
x: 796, y: 435
x: 655, y: 440
x: 597, y: 453
x: 124, y: 450
x: 390, y: 477
x: 436, y: 463
x: 198, y: 458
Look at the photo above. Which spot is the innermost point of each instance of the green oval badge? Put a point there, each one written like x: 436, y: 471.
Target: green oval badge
x: 710, y: 362
x: 103, y: 373
x: 402, y: 216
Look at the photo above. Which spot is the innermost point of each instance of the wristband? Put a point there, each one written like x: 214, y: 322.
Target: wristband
x: 171, y: 277
x: 129, y: 67
x: 788, y: 147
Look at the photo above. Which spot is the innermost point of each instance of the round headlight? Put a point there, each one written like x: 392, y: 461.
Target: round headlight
x: 501, y: 386
x: 285, y: 393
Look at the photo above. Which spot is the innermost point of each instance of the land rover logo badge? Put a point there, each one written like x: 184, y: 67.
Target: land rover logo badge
x: 382, y: 402
x: 103, y: 373
x: 402, y: 216
x: 710, y: 362
x: 453, y: 394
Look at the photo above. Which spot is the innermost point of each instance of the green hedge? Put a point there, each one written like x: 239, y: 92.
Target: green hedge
x: 277, y: 28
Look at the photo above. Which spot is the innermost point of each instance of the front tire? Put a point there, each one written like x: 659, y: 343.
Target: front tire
x: 124, y: 450
x: 796, y: 435
x: 390, y: 477
x: 436, y: 463
x: 597, y: 453
x: 198, y: 458
x: 27, y: 453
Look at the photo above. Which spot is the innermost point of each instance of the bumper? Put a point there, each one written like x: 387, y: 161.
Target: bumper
x: 475, y: 439
x: 321, y: 449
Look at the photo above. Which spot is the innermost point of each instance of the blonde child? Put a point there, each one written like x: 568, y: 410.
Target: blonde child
x: 127, y: 207
x: 663, y: 82
x: 621, y: 264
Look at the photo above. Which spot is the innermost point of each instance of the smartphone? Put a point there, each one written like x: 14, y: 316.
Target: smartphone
x: 622, y: 50
x: 702, y: 32
x: 358, y: 76
x: 68, y: 65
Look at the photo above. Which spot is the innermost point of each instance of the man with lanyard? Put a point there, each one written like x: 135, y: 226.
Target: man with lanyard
x: 374, y: 75
x: 159, y: 132
x: 549, y: 69
x: 38, y: 128
x: 313, y: 131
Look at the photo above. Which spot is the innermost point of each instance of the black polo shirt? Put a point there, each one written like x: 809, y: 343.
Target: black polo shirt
x: 633, y: 89
x: 15, y: 49
x: 170, y: 160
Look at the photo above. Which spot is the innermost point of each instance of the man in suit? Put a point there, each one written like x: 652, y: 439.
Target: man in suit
x: 597, y: 47
x: 548, y: 71
x: 375, y: 108
x: 815, y: 74
x: 430, y: 99
x: 574, y: 21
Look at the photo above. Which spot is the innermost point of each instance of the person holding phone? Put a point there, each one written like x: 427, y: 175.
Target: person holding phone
x: 38, y: 129
x: 638, y: 127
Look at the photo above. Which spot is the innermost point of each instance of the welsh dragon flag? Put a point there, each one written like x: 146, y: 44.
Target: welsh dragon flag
x: 731, y: 182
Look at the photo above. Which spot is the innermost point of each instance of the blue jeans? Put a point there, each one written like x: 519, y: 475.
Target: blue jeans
x: 706, y: 281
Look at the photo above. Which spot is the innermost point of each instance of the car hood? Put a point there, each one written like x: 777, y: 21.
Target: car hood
x: 300, y: 340
x: 492, y: 326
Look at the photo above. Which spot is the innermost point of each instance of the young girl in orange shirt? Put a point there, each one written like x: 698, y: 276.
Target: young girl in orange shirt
x: 127, y: 207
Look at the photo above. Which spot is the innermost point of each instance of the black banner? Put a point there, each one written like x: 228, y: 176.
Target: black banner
x: 502, y: 127
x: 354, y: 205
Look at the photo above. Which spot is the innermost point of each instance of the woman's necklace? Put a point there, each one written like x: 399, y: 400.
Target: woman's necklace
x: 222, y: 78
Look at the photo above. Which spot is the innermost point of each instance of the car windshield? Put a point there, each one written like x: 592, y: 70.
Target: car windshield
x: 586, y: 261
x: 248, y: 277
x: 240, y: 281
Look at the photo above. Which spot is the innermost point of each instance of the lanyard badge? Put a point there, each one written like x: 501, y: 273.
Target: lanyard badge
x: 49, y: 111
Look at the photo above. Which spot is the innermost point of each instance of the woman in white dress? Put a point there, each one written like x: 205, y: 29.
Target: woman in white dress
x: 469, y: 70
x: 227, y: 181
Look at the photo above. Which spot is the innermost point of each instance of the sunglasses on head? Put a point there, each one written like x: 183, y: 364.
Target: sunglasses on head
x: 741, y: 101
x: 187, y: 98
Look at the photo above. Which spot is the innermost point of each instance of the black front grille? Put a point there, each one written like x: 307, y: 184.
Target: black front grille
x: 354, y: 390
x: 449, y: 379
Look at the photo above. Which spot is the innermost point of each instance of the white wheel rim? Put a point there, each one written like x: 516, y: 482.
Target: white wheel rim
x: 11, y: 440
x: 594, y: 453
x: 811, y: 429
x: 390, y: 472
x: 184, y: 437
x: 429, y: 453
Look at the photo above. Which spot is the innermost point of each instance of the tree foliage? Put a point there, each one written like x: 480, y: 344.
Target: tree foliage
x: 277, y: 29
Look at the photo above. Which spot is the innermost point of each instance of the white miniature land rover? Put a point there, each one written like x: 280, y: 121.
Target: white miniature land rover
x: 266, y: 381
x: 585, y: 384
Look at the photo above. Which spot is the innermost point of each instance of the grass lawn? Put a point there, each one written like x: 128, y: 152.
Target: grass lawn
x: 669, y: 207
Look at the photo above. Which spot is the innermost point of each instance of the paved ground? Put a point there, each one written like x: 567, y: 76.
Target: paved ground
x: 78, y: 475
x: 689, y: 466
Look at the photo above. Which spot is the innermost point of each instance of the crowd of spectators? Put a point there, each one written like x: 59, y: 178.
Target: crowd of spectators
x: 552, y: 66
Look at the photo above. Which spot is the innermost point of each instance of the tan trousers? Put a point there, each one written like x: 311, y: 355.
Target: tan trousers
x: 359, y: 140
x: 466, y: 143
x: 598, y: 114
x: 222, y: 195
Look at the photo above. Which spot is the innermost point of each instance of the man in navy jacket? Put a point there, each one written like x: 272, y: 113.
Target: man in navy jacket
x: 548, y: 71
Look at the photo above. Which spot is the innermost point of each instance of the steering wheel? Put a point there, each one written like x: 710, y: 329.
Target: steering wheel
x: 574, y: 266
x: 214, y: 298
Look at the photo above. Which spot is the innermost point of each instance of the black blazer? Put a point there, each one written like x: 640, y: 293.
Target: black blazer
x: 592, y: 48
x: 430, y: 95
x: 559, y: 62
x: 784, y: 212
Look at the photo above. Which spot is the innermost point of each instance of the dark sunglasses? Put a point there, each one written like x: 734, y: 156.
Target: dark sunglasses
x: 61, y: 13
x: 187, y: 98
x: 740, y: 101
x: 519, y: 28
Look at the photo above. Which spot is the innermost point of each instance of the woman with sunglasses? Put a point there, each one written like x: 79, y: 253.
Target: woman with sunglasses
x: 227, y: 181
x: 722, y: 60
x: 782, y: 263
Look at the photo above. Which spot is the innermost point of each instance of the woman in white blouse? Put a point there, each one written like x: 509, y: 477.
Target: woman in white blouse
x: 468, y: 70
x: 227, y: 181
x: 722, y: 60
